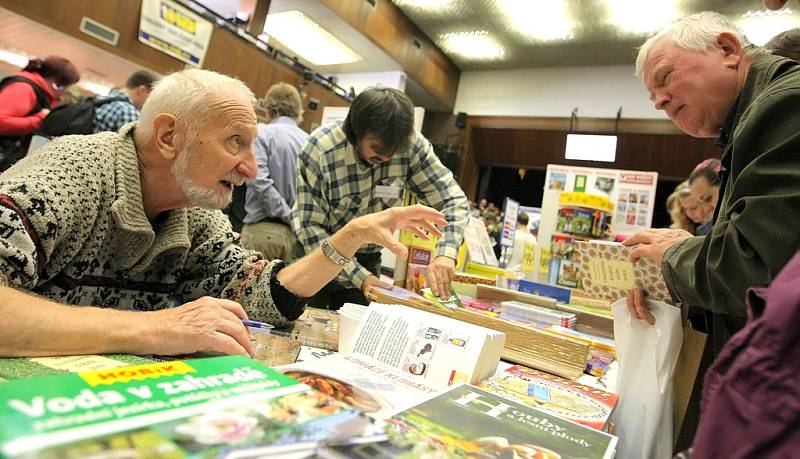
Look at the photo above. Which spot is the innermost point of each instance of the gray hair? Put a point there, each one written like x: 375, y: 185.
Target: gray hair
x: 283, y: 99
x: 187, y: 95
x: 698, y: 32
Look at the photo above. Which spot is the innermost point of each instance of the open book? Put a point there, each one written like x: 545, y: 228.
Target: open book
x: 608, y: 272
x: 439, y: 350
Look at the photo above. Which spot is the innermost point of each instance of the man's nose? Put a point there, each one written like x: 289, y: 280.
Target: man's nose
x: 662, y: 102
x: 248, y: 166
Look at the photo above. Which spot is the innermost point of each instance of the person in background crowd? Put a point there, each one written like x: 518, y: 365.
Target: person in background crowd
x: 26, y: 98
x: 523, y: 241
x: 105, y: 233
x: 786, y: 44
x: 677, y: 212
x: 131, y: 98
x: 704, y: 181
x: 271, y: 194
x: 363, y: 164
x: 712, y: 82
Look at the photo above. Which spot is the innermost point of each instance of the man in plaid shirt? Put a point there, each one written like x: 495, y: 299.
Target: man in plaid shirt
x: 362, y: 165
x: 113, y: 115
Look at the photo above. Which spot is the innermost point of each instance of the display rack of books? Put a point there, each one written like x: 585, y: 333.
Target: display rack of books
x: 581, y: 217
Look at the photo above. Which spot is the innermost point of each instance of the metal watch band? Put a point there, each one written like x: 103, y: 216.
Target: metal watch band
x: 334, y: 254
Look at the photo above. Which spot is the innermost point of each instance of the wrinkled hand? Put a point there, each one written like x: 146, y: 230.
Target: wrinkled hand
x: 373, y: 281
x: 203, y: 325
x: 776, y: 4
x: 378, y: 228
x: 653, y: 243
x: 439, y: 275
x: 637, y: 305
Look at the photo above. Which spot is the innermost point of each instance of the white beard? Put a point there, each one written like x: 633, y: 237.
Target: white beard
x: 206, y: 198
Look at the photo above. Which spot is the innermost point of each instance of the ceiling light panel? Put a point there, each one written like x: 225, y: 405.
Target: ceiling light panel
x: 308, y: 39
x: 547, y: 20
x: 761, y: 25
x: 425, y: 4
x: 637, y: 17
x: 478, y: 45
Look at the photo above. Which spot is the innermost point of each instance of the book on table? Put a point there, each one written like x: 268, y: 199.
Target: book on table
x: 524, y: 344
x: 439, y: 350
x: 466, y: 421
x: 553, y: 394
x: 200, y: 408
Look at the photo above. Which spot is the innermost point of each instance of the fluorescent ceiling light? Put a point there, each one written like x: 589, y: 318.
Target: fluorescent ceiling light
x: 760, y: 26
x: 308, y: 39
x: 546, y: 20
x: 425, y: 4
x: 639, y: 17
x: 95, y: 87
x: 472, y: 45
x: 591, y: 147
x: 13, y: 57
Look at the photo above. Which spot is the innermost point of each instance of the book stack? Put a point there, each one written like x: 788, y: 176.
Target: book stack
x: 535, y: 315
x: 558, y: 396
x: 524, y: 344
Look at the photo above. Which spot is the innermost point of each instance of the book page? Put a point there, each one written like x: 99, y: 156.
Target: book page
x: 440, y: 350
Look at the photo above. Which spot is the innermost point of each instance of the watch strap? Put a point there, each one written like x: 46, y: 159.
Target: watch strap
x: 331, y: 252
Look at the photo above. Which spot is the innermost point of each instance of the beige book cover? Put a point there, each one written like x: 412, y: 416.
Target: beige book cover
x: 608, y: 273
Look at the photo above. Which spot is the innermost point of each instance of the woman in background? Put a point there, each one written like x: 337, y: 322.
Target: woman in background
x: 684, y: 209
x: 26, y: 98
x: 704, y: 182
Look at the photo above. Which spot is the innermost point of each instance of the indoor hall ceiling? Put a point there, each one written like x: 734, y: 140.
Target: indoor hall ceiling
x: 594, y: 40
x: 20, y: 34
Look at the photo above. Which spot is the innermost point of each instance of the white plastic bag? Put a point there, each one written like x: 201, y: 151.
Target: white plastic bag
x: 647, y: 357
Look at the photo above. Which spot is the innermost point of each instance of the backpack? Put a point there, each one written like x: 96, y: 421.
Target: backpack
x: 13, y: 148
x: 75, y: 118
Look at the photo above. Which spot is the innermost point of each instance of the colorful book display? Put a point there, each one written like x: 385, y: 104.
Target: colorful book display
x: 203, y: 408
x: 470, y: 422
x: 554, y: 395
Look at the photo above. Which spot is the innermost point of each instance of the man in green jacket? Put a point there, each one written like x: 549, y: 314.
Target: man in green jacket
x: 712, y: 82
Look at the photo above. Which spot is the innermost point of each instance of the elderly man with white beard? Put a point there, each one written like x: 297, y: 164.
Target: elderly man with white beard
x: 114, y: 242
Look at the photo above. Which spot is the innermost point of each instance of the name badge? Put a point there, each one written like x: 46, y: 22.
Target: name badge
x: 388, y: 192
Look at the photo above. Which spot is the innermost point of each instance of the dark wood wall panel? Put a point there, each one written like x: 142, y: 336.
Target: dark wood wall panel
x: 672, y: 156
x: 227, y: 53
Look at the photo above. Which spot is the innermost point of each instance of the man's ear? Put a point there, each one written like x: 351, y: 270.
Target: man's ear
x: 731, y: 49
x: 165, y: 135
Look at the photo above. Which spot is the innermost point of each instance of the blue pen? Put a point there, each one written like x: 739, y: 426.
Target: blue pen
x: 257, y: 324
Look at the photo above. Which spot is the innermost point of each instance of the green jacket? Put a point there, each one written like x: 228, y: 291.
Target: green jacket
x: 757, y: 229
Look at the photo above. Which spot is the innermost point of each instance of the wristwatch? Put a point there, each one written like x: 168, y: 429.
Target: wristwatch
x: 334, y: 254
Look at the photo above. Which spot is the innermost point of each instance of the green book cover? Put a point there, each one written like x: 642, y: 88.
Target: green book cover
x: 193, y: 408
x: 470, y: 422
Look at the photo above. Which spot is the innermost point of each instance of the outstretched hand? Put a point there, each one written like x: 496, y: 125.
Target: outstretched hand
x: 378, y: 228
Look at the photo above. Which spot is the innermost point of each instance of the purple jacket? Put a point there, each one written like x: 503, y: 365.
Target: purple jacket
x: 751, y: 397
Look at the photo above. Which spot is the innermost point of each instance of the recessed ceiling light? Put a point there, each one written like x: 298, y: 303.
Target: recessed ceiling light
x: 425, y: 4
x: 472, y: 45
x: 640, y: 18
x: 546, y: 20
x: 14, y: 57
x: 308, y: 39
x: 759, y: 26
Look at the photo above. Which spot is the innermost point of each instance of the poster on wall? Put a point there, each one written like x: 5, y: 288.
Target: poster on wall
x: 175, y: 30
x: 632, y: 191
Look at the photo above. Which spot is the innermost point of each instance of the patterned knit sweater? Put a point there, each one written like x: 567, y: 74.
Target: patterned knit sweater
x: 73, y: 229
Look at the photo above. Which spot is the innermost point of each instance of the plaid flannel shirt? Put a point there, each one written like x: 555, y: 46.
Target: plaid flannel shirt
x: 113, y: 115
x: 334, y: 187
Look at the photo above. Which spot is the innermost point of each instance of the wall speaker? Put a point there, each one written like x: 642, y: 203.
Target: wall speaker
x: 461, y: 120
